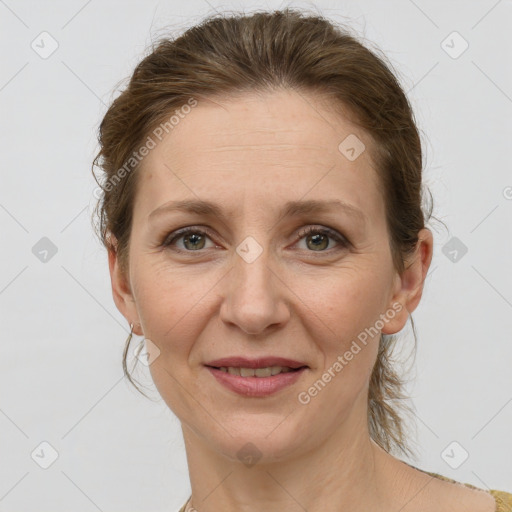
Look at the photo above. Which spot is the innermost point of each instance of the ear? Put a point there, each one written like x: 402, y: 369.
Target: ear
x: 408, y: 287
x: 121, y: 291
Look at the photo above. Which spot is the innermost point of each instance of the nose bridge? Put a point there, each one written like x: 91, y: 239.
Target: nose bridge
x: 254, y: 298
x: 252, y: 271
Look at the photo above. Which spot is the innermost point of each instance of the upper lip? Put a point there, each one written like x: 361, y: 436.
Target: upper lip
x: 260, y: 362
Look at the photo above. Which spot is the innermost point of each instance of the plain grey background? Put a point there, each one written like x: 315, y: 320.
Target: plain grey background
x: 62, y: 336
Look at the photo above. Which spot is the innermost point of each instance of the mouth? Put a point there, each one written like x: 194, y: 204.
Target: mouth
x: 259, y: 382
x: 263, y: 372
x: 257, y: 377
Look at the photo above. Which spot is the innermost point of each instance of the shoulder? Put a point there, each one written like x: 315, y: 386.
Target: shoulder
x: 184, y: 508
x: 502, y: 499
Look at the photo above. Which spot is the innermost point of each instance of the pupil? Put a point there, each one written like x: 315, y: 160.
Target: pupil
x: 317, y: 240
x: 194, y: 238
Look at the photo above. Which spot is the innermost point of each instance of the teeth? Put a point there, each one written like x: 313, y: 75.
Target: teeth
x: 247, y: 372
x: 263, y: 372
x: 256, y: 372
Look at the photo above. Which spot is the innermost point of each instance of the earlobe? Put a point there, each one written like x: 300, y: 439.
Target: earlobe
x: 121, y: 292
x: 408, y: 287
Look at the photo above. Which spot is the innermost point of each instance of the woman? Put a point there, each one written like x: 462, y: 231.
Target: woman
x: 263, y: 217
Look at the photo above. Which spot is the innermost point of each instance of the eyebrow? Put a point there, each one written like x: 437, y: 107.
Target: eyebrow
x: 290, y: 209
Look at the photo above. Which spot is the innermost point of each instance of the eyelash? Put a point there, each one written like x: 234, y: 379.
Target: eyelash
x: 342, y: 241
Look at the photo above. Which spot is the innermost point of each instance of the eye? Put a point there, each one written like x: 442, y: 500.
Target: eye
x: 318, y: 238
x: 194, y: 239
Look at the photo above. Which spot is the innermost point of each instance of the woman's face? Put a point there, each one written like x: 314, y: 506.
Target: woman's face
x: 248, y: 282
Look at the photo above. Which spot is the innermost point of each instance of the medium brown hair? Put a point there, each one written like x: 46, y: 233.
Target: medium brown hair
x: 231, y: 55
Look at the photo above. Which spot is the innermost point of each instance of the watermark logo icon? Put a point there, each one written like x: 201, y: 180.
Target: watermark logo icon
x: 146, y: 352
x: 249, y: 249
x: 249, y: 454
x: 454, y: 249
x: 454, y: 45
x: 351, y: 147
x: 45, y: 45
x: 454, y: 455
x: 44, y: 455
x: 44, y: 250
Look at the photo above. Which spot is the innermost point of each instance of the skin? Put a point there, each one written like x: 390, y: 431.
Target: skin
x: 250, y: 155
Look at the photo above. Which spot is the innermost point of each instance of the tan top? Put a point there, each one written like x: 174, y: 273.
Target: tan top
x: 503, y: 499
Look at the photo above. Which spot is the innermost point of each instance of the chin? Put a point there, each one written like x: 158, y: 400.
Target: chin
x: 268, y: 441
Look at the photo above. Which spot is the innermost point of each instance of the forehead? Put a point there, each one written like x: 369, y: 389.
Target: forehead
x: 262, y: 149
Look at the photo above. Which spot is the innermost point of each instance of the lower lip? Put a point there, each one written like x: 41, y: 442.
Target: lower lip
x: 256, y: 386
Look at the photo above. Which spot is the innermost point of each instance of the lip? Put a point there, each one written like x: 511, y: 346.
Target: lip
x: 256, y: 386
x: 260, y: 362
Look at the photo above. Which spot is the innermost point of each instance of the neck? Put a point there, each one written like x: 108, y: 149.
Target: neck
x: 347, y: 470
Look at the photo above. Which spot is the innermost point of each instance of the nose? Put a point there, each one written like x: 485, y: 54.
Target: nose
x: 255, y: 296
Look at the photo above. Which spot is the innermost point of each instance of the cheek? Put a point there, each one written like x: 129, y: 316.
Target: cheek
x: 343, y: 303
x: 161, y: 301
x: 346, y: 311
x: 172, y: 305
x: 346, y: 308
x: 170, y: 310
